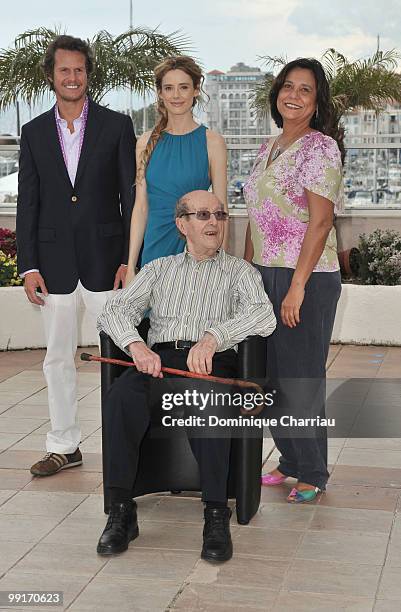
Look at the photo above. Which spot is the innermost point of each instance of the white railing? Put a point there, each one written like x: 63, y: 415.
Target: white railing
x: 372, y: 171
x: 8, y: 175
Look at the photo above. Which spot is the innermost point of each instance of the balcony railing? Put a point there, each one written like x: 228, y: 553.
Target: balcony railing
x: 372, y: 172
x: 8, y: 175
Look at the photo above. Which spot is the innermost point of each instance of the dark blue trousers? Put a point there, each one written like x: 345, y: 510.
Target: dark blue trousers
x: 296, y: 364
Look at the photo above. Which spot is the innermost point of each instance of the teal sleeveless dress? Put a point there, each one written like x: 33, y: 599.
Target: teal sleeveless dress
x: 178, y: 164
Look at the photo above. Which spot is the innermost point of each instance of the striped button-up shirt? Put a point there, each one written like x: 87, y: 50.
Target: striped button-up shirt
x: 223, y: 295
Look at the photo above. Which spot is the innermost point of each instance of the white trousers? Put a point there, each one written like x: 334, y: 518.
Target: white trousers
x: 60, y: 318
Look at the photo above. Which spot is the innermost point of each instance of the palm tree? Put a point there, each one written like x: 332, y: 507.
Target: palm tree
x: 125, y: 61
x: 365, y: 83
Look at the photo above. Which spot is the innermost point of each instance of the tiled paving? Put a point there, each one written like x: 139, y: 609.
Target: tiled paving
x: 341, y: 553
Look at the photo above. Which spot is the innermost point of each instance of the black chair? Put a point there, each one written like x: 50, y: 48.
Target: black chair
x: 180, y: 470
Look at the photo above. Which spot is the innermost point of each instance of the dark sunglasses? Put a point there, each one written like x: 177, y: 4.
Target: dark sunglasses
x: 204, y: 215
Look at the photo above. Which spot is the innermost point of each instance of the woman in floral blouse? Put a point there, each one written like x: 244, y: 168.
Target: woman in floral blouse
x: 292, y: 195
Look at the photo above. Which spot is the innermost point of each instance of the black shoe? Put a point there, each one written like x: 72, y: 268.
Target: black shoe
x: 217, y: 544
x: 121, y: 528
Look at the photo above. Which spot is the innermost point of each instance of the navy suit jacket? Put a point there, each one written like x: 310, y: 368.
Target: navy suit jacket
x: 79, y: 232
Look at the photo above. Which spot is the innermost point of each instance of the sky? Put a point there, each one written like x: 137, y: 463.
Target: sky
x: 222, y: 32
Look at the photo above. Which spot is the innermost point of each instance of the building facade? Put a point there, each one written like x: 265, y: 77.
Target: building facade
x: 229, y: 109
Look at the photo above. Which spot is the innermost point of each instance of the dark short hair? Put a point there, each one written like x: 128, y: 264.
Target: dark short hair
x: 321, y: 120
x: 181, y: 207
x: 67, y: 43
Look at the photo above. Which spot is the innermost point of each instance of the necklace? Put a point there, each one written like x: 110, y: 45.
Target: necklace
x: 276, y: 153
x: 278, y: 150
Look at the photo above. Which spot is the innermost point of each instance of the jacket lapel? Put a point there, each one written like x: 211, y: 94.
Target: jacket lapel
x: 92, y: 131
x: 54, y: 144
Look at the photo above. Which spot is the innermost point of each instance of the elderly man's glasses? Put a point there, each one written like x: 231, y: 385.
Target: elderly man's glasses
x: 204, y: 215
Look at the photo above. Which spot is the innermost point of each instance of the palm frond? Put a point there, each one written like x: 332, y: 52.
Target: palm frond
x: 385, y: 60
x: 260, y: 95
x: 333, y: 62
x: 369, y: 84
x: 273, y: 61
x: 36, y: 35
x: 127, y: 61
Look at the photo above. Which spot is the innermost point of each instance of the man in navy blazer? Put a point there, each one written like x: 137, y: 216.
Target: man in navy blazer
x: 75, y: 198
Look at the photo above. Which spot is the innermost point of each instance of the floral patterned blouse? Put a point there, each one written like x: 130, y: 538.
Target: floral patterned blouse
x: 277, y: 204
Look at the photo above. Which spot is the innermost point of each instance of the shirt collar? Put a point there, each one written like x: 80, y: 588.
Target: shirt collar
x: 61, y: 120
x: 219, y: 258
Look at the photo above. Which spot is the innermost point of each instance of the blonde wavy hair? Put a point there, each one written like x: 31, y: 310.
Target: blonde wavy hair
x: 191, y: 68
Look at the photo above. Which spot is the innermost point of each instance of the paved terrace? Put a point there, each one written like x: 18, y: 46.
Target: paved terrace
x: 342, y: 553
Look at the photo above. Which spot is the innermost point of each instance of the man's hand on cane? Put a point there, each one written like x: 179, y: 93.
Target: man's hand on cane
x: 146, y: 360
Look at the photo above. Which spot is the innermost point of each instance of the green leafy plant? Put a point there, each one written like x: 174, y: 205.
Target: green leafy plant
x: 380, y: 258
x: 125, y: 61
x: 8, y: 271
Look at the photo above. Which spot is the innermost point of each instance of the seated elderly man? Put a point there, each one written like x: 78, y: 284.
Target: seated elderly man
x: 202, y: 303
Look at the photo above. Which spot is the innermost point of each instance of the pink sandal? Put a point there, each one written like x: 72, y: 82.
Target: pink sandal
x: 269, y: 480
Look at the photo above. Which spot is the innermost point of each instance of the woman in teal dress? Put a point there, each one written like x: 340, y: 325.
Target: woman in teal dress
x: 176, y: 157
